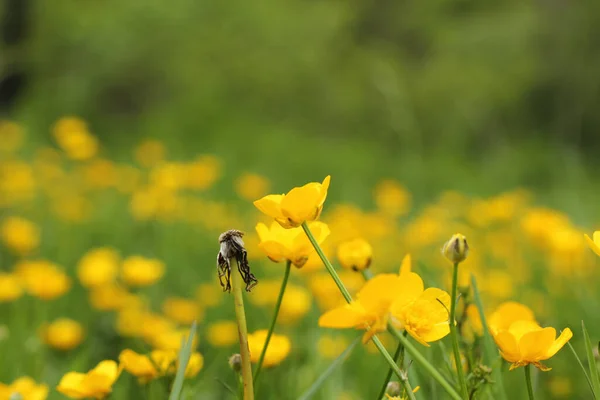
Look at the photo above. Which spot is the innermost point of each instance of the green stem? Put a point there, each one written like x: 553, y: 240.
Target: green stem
x: 401, y: 374
x: 288, y: 267
x: 528, y: 380
x: 414, y: 353
x: 398, y: 356
x: 240, y: 314
x: 454, y: 336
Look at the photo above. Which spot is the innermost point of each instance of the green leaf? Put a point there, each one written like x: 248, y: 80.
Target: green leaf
x: 490, y: 352
x: 587, y: 377
x: 594, y: 376
x: 184, y: 359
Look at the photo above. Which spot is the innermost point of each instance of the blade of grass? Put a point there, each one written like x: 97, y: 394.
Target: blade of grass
x: 312, y: 390
x: 489, y: 347
x: 587, y: 377
x: 594, y: 376
x: 184, y: 358
x: 227, y: 387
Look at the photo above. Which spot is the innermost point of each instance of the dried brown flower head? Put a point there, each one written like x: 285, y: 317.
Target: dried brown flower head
x: 232, y: 248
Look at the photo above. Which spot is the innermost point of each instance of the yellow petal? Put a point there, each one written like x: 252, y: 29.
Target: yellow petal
x: 406, y: 266
x: 270, y: 205
x: 379, y: 292
x: 416, y: 336
x: 410, y: 288
x: 301, y: 203
x: 594, y: 244
x: 263, y: 231
x: 274, y: 250
x: 534, y: 345
x: 520, y: 328
x: 507, y: 313
x: 508, y: 346
x: 347, y: 316
x: 564, y: 337
x: 71, y: 385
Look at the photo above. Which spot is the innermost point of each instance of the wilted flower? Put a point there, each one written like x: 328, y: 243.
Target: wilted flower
x: 456, y: 249
x: 278, y: 349
x: 96, y: 383
x: 20, y: 235
x: 141, y: 271
x: 23, y: 388
x: 232, y: 249
x: 355, y: 254
x: 63, y: 334
x: 98, y: 267
x: 301, y: 204
x: 281, y: 244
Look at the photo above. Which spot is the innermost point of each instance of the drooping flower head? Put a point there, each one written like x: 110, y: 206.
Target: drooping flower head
x: 301, y: 204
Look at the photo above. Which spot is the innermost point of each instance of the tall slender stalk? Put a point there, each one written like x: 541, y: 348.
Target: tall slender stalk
x: 399, y: 358
x: 240, y: 314
x: 286, y: 275
x: 414, y: 353
x: 528, y: 381
x: 454, y: 336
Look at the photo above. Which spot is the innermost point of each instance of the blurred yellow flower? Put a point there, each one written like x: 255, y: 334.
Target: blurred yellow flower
x: 281, y: 244
x: 98, y: 267
x: 251, y: 186
x: 278, y: 350
x: 97, y: 383
x: 43, y: 279
x: 23, y: 388
x: 326, y: 292
x: 138, y: 365
x: 209, y: 294
x: 594, y: 243
x: 172, y: 339
x: 392, y: 198
x: 74, y: 138
x: 164, y: 361
x: 11, y: 137
x: 561, y: 386
x: 10, y: 287
x: 63, y: 334
x: 17, y: 183
x: 222, y: 333
x: 141, y: 271
x: 355, y: 254
x: 149, y: 153
x: 20, y: 235
x: 330, y: 347
x: 128, y: 178
x: 100, y: 174
x: 456, y: 249
x: 507, y: 313
x: 203, y: 172
x: 301, y: 204
x: 525, y: 342
x: 194, y: 366
x: 110, y: 297
x: 295, y: 304
x: 473, y: 326
x: 181, y: 310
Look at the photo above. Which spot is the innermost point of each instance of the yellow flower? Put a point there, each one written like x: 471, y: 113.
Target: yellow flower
x: 172, y: 339
x: 203, y: 172
x: 17, y: 183
x: 281, y: 244
x: 181, y: 310
x: 473, y: 326
x: 74, y: 139
x: 456, y: 249
x: 149, y: 153
x: 295, y: 304
x: 525, y: 342
x: 595, y: 243
x: 209, y: 294
x: 138, y: 365
x: 251, y: 186
x: 164, y: 361
x: 97, y: 383
x: 100, y: 174
x: 507, y: 313
x: 330, y: 347
x: 10, y: 287
x: 392, y: 198
x: 355, y: 254
x: 222, y: 334
x: 278, y: 350
x: 63, y: 334
x: 98, y: 267
x: 110, y: 297
x: 11, y: 136
x: 23, y: 388
x: 326, y: 292
x: 43, y: 279
x: 194, y: 366
x: 299, y: 205
x: 20, y: 235
x: 141, y: 271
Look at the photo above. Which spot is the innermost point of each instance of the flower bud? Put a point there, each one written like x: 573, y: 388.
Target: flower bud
x: 393, y: 388
x: 235, y: 363
x: 456, y: 249
x: 355, y: 254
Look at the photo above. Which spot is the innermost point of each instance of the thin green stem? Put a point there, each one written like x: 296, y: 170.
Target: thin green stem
x: 288, y: 267
x: 528, y: 381
x: 454, y: 336
x: 240, y: 314
x: 399, y: 357
x: 401, y: 374
x: 414, y: 353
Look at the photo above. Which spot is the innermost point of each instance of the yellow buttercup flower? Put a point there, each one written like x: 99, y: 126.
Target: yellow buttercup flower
x: 183, y: 311
x: 456, y: 249
x: 63, y: 334
x: 195, y: 364
x: 594, y: 243
x: 525, y: 342
x: 142, y: 271
x: 507, y: 313
x: 281, y: 244
x: 98, y: 267
x: 278, y: 350
x: 222, y: 334
x: 138, y: 365
x: 110, y: 297
x: 149, y: 153
x: 96, y: 383
x: 301, y: 204
x: 251, y: 186
x: 74, y: 138
x: 355, y: 254
x: 209, y: 294
x: 330, y: 347
x: 171, y: 340
x: 392, y: 198
x: 23, y: 388
x: 20, y: 235
x: 10, y: 287
x: 43, y: 279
